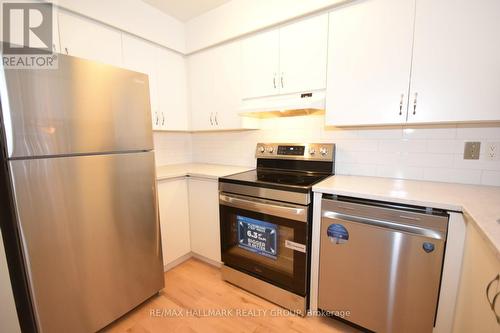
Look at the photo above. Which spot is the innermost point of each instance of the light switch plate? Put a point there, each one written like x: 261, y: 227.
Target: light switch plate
x: 472, y: 150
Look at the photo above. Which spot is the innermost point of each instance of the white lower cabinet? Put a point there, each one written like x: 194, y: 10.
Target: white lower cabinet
x: 480, y: 267
x: 174, y: 219
x: 204, y: 217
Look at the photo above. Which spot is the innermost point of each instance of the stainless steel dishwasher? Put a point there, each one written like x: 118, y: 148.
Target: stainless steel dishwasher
x: 381, y: 263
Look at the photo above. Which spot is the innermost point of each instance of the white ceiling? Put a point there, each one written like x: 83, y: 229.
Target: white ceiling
x: 185, y: 10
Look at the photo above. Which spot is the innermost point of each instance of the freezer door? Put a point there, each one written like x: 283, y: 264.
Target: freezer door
x: 90, y: 236
x: 80, y: 108
x: 386, y: 280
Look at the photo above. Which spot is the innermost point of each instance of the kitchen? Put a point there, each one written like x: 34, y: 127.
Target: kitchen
x: 326, y: 166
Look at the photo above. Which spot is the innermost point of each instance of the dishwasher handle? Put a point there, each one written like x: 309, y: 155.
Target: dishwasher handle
x: 435, y: 234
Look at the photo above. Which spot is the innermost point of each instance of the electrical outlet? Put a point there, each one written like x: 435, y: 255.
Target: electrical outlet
x: 472, y: 150
x: 492, y: 151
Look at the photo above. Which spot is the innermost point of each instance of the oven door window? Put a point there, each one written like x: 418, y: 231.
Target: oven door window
x: 269, y: 247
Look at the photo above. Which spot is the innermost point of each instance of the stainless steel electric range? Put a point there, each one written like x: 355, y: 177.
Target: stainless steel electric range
x: 266, y: 221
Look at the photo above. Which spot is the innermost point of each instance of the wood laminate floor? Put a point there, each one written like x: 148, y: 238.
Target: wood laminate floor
x: 196, y: 299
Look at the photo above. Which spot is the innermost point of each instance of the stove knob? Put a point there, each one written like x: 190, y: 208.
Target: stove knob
x: 261, y: 149
x: 312, y: 151
x: 323, y: 151
x: 270, y: 150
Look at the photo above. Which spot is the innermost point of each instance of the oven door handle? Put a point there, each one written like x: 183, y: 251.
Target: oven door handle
x: 292, y: 212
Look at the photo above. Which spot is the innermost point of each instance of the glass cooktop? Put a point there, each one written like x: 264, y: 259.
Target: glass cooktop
x: 278, y: 178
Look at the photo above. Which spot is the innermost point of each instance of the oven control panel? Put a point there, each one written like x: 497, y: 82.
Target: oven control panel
x: 296, y: 151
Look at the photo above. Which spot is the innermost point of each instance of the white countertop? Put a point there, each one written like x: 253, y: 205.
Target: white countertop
x: 212, y: 171
x: 480, y: 204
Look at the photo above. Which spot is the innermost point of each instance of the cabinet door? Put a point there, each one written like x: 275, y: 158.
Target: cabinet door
x: 456, y: 67
x: 174, y: 219
x: 87, y: 39
x: 369, y: 59
x: 215, y: 88
x: 260, y: 65
x: 141, y: 56
x: 303, y: 53
x: 227, y: 85
x: 480, y: 266
x: 204, y: 217
x: 172, y: 91
x: 201, y: 82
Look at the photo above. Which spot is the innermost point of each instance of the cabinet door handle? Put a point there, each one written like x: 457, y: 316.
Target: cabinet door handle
x: 163, y: 119
x: 157, y: 121
x: 211, y: 120
x: 415, y: 104
x: 401, y: 101
x: 493, y: 307
x: 282, y: 84
x: 216, y: 121
x: 66, y: 49
x: 274, y: 81
x: 490, y: 300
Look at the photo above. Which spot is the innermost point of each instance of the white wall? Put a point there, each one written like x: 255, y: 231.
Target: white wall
x: 135, y: 17
x: 8, y: 315
x: 240, y: 17
x: 423, y: 153
x: 172, y: 148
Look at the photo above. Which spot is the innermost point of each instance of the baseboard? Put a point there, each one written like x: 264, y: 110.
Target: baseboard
x: 177, y: 262
x: 188, y: 256
x: 207, y: 260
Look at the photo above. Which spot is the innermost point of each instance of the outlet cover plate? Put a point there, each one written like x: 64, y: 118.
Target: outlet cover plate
x: 472, y: 150
x: 492, y: 151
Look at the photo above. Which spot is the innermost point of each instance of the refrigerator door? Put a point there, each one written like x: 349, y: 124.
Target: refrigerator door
x: 82, y: 107
x: 90, y: 236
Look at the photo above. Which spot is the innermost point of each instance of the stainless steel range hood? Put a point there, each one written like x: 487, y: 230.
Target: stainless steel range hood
x: 298, y: 104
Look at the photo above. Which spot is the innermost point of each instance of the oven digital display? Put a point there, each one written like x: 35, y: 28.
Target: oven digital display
x: 257, y: 236
x: 291, y: 150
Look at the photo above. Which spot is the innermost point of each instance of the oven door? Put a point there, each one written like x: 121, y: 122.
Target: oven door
x: 266, y: 239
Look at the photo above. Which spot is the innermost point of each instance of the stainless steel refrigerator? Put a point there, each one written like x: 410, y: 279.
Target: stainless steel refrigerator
x: 78, y: 209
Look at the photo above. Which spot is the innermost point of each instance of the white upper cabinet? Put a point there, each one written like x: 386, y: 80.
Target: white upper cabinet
x: 200, y: 79
x: 141, y: 56
x: 303, y: 55
x: 285, y: 60
x: 260, y: 65
x: 215, y: 89
x: 369, y: 62
x: 167, y: 81
x: 456, y: 67
x: 87, y: 39
x: 173, y: 108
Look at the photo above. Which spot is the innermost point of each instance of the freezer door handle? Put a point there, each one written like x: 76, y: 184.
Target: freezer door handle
x: 386, y: 224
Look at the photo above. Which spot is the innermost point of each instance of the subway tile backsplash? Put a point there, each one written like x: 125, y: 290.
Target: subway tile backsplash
x: 407, y: 152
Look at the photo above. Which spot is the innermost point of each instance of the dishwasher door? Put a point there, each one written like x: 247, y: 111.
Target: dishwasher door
x: 381, y: 266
